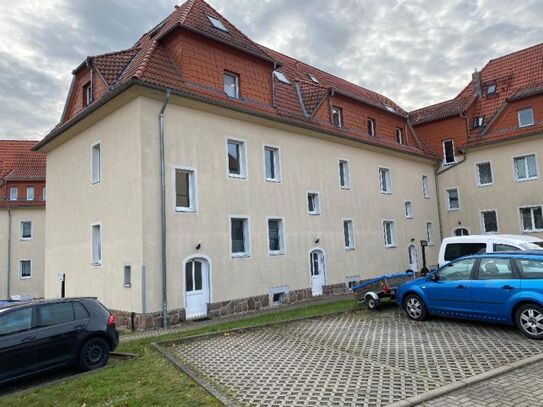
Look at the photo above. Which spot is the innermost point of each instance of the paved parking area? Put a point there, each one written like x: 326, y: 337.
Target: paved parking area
x: 353, y: 359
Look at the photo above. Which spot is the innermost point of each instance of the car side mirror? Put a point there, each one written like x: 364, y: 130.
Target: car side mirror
x: 434, y: 277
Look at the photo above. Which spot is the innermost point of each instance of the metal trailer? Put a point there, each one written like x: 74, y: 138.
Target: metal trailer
x: 374, y: 290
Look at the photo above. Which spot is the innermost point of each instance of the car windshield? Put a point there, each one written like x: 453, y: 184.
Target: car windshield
x: 532, y: 246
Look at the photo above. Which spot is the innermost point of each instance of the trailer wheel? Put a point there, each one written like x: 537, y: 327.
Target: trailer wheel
x: 373, y: 304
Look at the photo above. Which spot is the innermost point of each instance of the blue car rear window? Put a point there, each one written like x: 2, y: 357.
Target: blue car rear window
x: 530, y: 269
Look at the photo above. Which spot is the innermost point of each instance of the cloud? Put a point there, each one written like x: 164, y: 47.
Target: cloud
x: 417, y: 52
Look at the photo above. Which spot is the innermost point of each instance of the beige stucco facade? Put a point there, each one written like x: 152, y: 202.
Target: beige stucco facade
x: 127, y: 205
x: 506, y: 195
x: 31, y: 249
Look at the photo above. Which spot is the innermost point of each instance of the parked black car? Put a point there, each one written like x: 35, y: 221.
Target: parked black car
x: 40, y: 335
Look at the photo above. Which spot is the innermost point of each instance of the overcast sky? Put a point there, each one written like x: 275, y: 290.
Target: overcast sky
x: 416, y: 52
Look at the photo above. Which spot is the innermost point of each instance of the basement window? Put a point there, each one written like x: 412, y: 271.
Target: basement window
x: 217, y: 23
x: 313, y: 78
x: 278, y: 295
x: 281, y: 76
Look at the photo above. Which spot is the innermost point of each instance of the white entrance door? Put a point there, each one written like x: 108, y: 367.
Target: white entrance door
x: 196, y: 288
x: 413, y: 258
x: 316, y: 258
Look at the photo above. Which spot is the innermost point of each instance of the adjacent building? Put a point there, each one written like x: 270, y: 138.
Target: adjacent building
x: 22, y: 219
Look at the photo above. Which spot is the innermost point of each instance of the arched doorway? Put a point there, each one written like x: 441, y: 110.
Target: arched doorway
x: 318, y: 272
x: 412, y: 255
x: 196, y: 277
x: 460, y: 232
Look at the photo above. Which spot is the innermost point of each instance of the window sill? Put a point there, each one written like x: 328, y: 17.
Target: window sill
x: 350, y: 249
x: 528, y: 179
x: 390, y: 246
x: 313, y: 213
x: 386, y: 192
x: 128, y: 285
x: 345, y: 188
x: 273, y: 181
x: 97, y: 264
x: 96, y: 183
x: 185, y: 210
x: 526, y: 125
x: 453, y: 210
x: 25, y: 239
x: 409, y: 217
x: 527, y: 232
x: 25, y: 278
x: 427, y: 197
x: 235, y: 176
x: 240, y: 255
x: 485, y: 185
x: 276, y: 254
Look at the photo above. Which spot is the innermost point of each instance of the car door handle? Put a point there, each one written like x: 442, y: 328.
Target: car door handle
x: 80, y: 326
x: 461, y: 286
x: 28, y: 339
x: 507, y: 287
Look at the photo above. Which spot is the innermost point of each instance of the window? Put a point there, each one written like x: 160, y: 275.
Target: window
x: 489, y: 221
x: 278, y: 295
x: 272, y: 164
x: 13, y: 193
x: 351, y: 281
x: 313, y: 78
x: 29, y: 193
x: 495, y: 269
x: 25, y: 269
x: 80, y: 311
x: 425, y: 186
x: 409, y: 209
x: 529, y: 269
x: 453, y: 200
x: 460, y: 232
x: 526, y: 168
x: 313, y: 203
x: 96, y: 251
x: 26, y: 230
x: 491, y: 89
x: 216, y: 23
x: 484, y: 174
x: 525, y: 117
x: 505, y: 248
x: 337, y: 117
x: 389, y: 108
x: 239, y: 234
x: 448, y: 152
x: 399, y: 136
x: 430, y: 233
x: 236, y: 159
x: 87, y: 94
x: 385, y: 181
x: 193, y: 276
x: 185, y: 190
x: 96, y: 164
x: 55, y: 314
x: 281, y: 76
x: 389, y: 233
x: 460, y: 270
x: 127, y: 276
x: 455, y: 250
x: 344, y: 175
x: 348, y: 234
x: 371, y: 127
x: 276, y: 237
x: 15, y: 321
x: 44, y: 194
x: 531, y: 219
x: 231, y: 85
x: 478, y: 122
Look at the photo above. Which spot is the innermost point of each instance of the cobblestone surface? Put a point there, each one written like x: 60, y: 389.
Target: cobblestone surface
x: 350, y: 359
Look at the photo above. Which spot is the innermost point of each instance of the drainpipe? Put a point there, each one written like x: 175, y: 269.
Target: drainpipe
x: 163, y: 212
x: 9, y: 254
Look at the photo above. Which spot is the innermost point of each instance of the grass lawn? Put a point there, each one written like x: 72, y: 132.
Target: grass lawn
x: 149, y: 379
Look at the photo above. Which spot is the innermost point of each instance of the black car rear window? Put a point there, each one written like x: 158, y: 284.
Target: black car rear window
x: 455, y: 250
x: 80, y: 311
x: 54, y: 314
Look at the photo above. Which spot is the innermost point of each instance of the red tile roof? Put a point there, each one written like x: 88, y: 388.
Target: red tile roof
x: 19, y: 163
x: 148, y: 63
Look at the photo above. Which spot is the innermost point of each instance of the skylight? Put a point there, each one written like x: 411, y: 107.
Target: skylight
x: 217, y: 23
x: 491, y: 89
x: 313, y: 78
x: 281, y: 76
x: 389, y: 108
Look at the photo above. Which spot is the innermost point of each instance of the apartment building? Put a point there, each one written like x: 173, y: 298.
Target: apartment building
x: 22, y: 219
x: 209, y: 174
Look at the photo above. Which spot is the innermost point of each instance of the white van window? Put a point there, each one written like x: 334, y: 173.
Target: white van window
x: 532, y: 246
x: 455, y: 250
x: 505, y: 248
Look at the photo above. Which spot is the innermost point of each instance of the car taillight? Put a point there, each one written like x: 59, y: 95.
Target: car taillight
x: 111, y: 320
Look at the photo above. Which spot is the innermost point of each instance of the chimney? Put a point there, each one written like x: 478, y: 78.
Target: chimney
x: 477, y: 85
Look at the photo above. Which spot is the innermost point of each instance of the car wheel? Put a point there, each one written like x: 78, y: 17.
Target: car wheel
x: 414, y: 307
x: 529, y: 319
x: 373, y: 304
x: 94, y: 354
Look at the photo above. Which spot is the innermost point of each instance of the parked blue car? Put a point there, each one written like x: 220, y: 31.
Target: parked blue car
x: 504, y: 287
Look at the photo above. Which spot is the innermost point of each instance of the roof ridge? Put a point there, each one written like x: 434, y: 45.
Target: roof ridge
x: 185, y: 10
x: 514, y: 52
x: 107, y: 54
x: 145, y: 60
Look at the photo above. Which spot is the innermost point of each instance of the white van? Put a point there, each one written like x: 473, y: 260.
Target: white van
x: 458, y: 246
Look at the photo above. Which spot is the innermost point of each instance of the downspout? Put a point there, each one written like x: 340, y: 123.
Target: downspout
x: 273, y: 84
x: 8, y: 284
x: 163, y: 211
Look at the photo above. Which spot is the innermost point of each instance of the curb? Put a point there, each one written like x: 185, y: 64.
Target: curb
x: 470, y: 381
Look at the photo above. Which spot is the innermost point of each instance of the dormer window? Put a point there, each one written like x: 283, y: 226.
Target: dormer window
x: 526, y: 117
x: 399, y: 135
x: 336, y: 117
x: 313, y: 78
x: 217, y: 23
x: 491, y: 89
x: 389, y: 108
x: 87, y: 94
x: 478, y: 122
x: 231, y: 85
x: 371, y: 127
x: 281, y: 76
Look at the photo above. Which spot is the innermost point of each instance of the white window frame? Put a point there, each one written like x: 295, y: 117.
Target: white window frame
x: 246, y: 236
x: 339, y: 112
x: 460, y: 227
x: 388, y: 176
x: 21, y: 269
x: 21, y: 230
x: 399, y: 135
x: 282, y: 243
x: 392, y: 244
x: 351, y: 232
x: 236, y: 77
x: 88, y: 93
x: 346, y: 176
x: 96, y: 178
x: 482, y: 221
x: 373, y: 133
x: 216, y: 23
x: 408, y: 214
x: 97, y: 263
x: 430, y: 233
x: 318, y: 195
x: 30, y: 193
x: 277, y: 162
x: 281, y: 77
x: 244, y: 173
x: 477, y: 174
x: 129, y: 283
x: 518, y: 117
x: 515, y: 174
x: 193, y: 189
x: 447, y: 199
x: 521, y: 222
x: 445, y: 162
x: 425, y: 179
x: 13, y: 197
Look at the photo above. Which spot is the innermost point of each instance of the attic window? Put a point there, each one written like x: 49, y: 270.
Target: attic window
x: 87, y: 94
x: 336, y: 117
x: 389, y: 108
x: 491, y: 89
x: 313, y: 78
x: 281, y: 76
x: 478, y: 122
x: 217, y: 23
